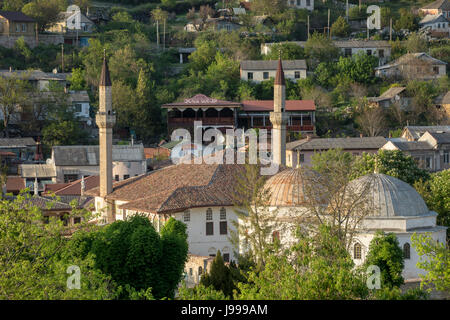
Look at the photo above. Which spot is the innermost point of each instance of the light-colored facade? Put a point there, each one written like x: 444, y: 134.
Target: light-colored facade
x: 437, y: 7
x: 301, y: 4
x: 263, y: 70
x: 16, y: 24
x: 72, y: 21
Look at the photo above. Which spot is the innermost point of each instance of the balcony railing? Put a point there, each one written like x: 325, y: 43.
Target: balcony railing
x: 221, y: 120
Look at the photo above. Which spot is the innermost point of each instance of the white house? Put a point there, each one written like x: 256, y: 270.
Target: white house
x: 261, y: 70
x: 301, y: 4
x: 437, y: 23
x: 72, y: 20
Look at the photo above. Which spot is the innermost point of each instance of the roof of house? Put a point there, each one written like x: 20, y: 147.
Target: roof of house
x: 412, y: 145
x: 441, y: 137
x: 439, y: 4
x: 362, y: 44
x: 66, y: 15
x: 16, y: 142
x: 333, y: 143
x: 418, y: 131
x: 37, y: 170
x: 176, y: 188
x: 34, y: 75
x: 89, y: 155
x: 52, y: 187
x: 267, y: 105
x: 15, y: 183
x: 16, y: 16
x: 201, y: 100
x: 153, y: 152
x: 444, y: 99
x: 389, y: 94
x: 74, y: 188
x: 272, y: 64
x: 411, y: 57
x: 433, y: 18
x: 78, y: 96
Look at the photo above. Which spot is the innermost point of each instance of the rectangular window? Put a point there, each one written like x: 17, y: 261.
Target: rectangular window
x: 298, y: 3
x: 223, y: 214
x: 297, y: 75
x: 24, y: 27
x: 446, y: 157
x: 209, y: 214
x: 265, y: 75
x: 190, y: 272
x: 223, y: 227
x: 369, y: 52
x: 226, y: 257
x: 302, y: 157
x: 126, y: 176
x: 250, y: 75
x: 186, y: 216
x: 308, y: 3
x: 429, y: 163
x: 116, y: 177
x: 209, y: 228
x: 348, y: 52
x: 436, y: 70
x: 381, y: 53
x: 17, y: 28
x: 78, y: 107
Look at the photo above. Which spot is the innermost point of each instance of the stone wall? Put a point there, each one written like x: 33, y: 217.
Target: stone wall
x: 9, y: 41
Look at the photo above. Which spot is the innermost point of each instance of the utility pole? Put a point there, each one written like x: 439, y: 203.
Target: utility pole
x: 62, y: 57
x: 329, y: 36
x: 390, y: 30
x: 308, y: 26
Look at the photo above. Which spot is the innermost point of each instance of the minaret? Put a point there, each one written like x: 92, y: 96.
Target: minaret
x: 278, y: 117
x: 105, y: 120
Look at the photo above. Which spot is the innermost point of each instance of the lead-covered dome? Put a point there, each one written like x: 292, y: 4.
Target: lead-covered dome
x: 286, y: 188
x: 390, y: 196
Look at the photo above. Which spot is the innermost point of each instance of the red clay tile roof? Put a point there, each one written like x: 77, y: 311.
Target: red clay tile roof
x: 15, y: 183
x: 267, y: 105
x: 176, y: 188
x: 153, y: 152
x: 201, y: 100
x: 73, y: 188
x: 52, y: 187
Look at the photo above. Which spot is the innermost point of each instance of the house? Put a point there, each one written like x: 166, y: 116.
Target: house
x: 413, y: 133
x: 223, y: 23
x: 41, y: 173
x: 72, y: 20
x: 75, y: 188
x: 79, y: 100
x: 14, y: 184
x: 16, y: 151
x: 443, y: 102
x: 38, y: 79
x: 14, y: 23
x: 435, y: 23
x: 378, y: 48
x: 299, y: 153
x: 261, y: 70
x: 71, y: 163
x: 414, y: 66
x: 436, y: 8
x: 301, y: 4
x: 394, y: 95
x: 440, y: 143
x: 256, y: 114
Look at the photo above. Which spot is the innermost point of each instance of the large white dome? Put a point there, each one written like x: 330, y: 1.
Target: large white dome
x: 391, y: 197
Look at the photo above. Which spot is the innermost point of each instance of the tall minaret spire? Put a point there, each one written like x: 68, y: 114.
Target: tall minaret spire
x: 105, y: 120
x: 278, y: 117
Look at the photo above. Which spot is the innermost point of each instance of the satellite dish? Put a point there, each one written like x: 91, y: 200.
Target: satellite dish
x: 73, y: 8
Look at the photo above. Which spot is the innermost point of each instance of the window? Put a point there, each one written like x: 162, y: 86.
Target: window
x: 209, y: 228
x: 190, y: 272
x: 126, y: 176
x: 76, y: 220
x: 439, y: 25
x: 24, y: 27
x: 78, y: 107
x: 17, y: 28
x: 250, y: 75
x: 381, y: 53
x: 223, y: 214
x: 70, y: 177
x: 436, y: 70
x: 297, y: 75
x: 265, y: 75
x: 275, y: 236
x: 200, y: 271
x: 209, y: 214
x: 308, y: 3
x: 357, y: 251
x: 406, y: 251
x: 223, y: 227
x: 298, y: 3
x: 428, y: 163
x: 64, y: 218
x: 446, y: 157
x: 226, y: 257
x: 302, y: 157
x: 369, y: 52
x: 348, y: 52
x: 116, y: 177
x: 187, y: 216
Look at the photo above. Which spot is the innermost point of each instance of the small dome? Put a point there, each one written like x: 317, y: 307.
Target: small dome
x: 286, y: 188
x: 391, y: 197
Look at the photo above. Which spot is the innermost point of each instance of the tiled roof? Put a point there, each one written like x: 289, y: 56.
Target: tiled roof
x: 52, y: 187
x: 267, y: 105
x: 441, y: 137
x: 153, y: 152
x: 392, y: 92
x: 74, y: 188
x: 37, y: 170
x: 15, y: 183
x: 16, y: 16
x: 272, y: 64
x: 439, y: 4
x: 412, y: 145
x: 432, y: 18
x: 34, y: 75
x: 412, y: 58
x: 176, y: 188
x: 16, y: 142
x: 418, y: 131
x: 333, y: 143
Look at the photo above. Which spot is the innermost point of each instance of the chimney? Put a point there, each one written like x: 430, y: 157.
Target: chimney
x: 36, y: 186
x: 83, y: 185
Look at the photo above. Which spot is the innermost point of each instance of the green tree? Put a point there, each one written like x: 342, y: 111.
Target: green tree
x: 45, y: 12
x: 319, y: 48
x: 77, y: 80
x: 385, y: 252
x: 268, y: 7
x: 358, y: 68
x: 63, y: 133
x: 434, y: 259
x: 391, y: 162
x: 289, y: 51
x: 219, y: 277
x: 13, y: 93
x: 406, y: 20
x: 200, y: 292
x: 416, y: 43
x: 340, y: 27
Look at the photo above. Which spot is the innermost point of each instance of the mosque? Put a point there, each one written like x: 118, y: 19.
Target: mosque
x: 202, y: 196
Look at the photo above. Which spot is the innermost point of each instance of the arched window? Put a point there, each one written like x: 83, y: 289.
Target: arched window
x: 187, y: 216
x: 209, y: 214
x: 223, y: 214
x: 357, y: 251
x: 406, y: 251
